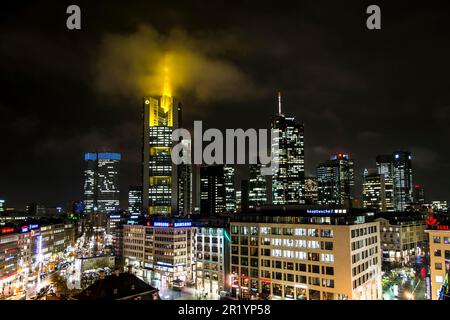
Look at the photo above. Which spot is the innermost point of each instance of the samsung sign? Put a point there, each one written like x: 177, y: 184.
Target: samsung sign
x: 33, y: 226
x: 183, y: 224
x: 326, y: 211
x: 160, y: 224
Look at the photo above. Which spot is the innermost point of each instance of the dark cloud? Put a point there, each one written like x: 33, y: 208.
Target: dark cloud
x: 362, y: 92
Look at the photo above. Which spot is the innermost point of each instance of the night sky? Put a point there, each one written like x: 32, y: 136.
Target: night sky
x: 364, y: 92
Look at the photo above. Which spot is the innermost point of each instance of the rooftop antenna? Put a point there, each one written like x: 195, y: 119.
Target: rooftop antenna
x: 279, y: 103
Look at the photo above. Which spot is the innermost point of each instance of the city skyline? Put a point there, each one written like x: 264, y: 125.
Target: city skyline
x: 330, y: 98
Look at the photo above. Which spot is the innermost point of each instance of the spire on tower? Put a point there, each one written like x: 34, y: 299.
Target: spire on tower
x: 279, y: 102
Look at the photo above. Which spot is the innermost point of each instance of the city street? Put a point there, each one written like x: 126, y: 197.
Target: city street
x: 404, y: 284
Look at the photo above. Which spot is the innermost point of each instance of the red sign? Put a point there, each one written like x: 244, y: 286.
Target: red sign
x: 430, y: 221
x: 7, y: 230
x: 442, y: 227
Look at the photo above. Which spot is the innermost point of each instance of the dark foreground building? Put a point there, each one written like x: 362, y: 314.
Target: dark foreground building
x: 119, y: 286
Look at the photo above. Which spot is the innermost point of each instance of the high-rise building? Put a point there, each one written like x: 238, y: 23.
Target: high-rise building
x: 230, y: 190
x: 2, y: 205
x: 184, y: 193
x: 378, y: 191
x: 384, y: 165
x: 335, y: 180
x: 402, y: 177
x: 418, y: 194
x: 288, y: 178
x: 397, y: 166
x: 157, y: 168
x: 212, y: 190
x: 245, y: 192
x: 238, y: 200
x: 101, y: 181
x: 257, y: 193
x: 311, y: 191
x: 135, y: 199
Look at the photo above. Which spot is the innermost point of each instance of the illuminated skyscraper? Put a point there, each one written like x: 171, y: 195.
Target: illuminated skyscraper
x: 230, y: 190
x: 212, y: 190
x: 157, y: 170
x: 135, y: 199
x: 2, y: 205
x: 257, y: 193
x: 101, y: 181
x: 402, y: 177
x: 335, y: 181
x: 288, y: 180
x: 311, y: 192
x: 185, y: 189
x: 378, y: 193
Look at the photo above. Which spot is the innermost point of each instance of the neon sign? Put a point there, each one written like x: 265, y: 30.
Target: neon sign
x: 7, y: 230
x: 33, y: 226
x: 183, y: 224
x: 326, y: 211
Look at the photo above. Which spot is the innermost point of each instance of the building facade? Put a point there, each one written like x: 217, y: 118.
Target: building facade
x: 212, y: 190
x: 306, y: 256
x: 439, y: 241
x: 335, y: 181
x: 135, y: 200
x: 157, y: 168
x: 161, y: 251
x: 101, y: 181
x: 378, y: 191
x: 212, y: 259
x: 288, y: 176
x: 403, y: 238
x: 257, y: 185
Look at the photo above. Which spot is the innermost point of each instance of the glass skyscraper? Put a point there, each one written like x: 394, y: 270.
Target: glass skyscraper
x: 402, y: 177
x: 288, y: 180
x: 335, y: 180
x: 397, y: 167
x: 378, y: 191
x: 230, y: 190
x: 257, y: 193
x: 212, y: 190
x: 135, y: 199
x: 156, y: 154
x: 101, y: 181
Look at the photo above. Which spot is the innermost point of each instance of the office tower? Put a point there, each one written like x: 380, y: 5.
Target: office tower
x: 212, y: 190
x: 402, y: 177
x: 384, y: 165
x: 2, y: 205
x: 184, y: 193
x: 238, y: 200
x: 311, y: 191
x: 295, y: 255
x: 257, y: 193
x: 378, y: 193
x: 135, y: 199
x: 418, y: 194
x: 335, y: 181
x: 157, y: 169
x: 230, y: 190
x: 196, y: 188
x: 288, y: 180
x: 245, y: 192
x: 101, y: 181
